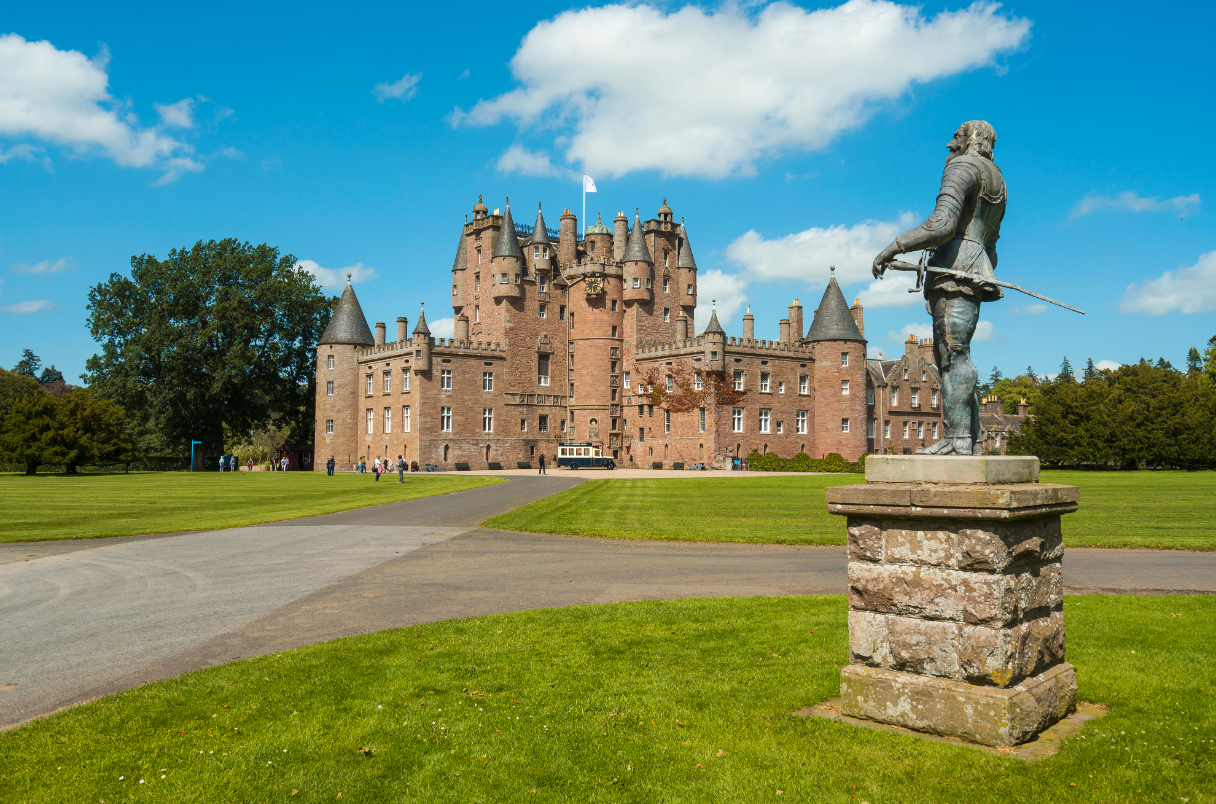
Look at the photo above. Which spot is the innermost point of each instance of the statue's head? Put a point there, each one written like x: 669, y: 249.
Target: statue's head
x: 973, y: 138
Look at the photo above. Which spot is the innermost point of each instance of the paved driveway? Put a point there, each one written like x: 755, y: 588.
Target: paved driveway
x: 88, y: 618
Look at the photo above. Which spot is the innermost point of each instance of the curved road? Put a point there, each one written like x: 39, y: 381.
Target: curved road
x: 88, y: 618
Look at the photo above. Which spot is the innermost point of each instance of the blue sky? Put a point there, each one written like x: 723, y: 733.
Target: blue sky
x: 789, y: 137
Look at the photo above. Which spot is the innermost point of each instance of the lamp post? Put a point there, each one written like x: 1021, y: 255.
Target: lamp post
x: 192, y: 443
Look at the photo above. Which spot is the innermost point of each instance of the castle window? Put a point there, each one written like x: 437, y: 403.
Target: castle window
x: 689, y: 288
x: 453, y: 290
x: 561, y: 313
x: 701, y: 418
x: 641, y: 408
x: 844, y: 359
x: 563, y: 425
x: 544, y: 283
x: 479, y: 259
x: 477, y: 279
x: 803, y: 382
x: 922, y: 375
x: 764, y: 416
x: 405, y: 380
x: 869, y: 396
x: 487, y: 420
x: 626, y: 379
x: 800, y: 422
x: 905, y: 429
x: 542, y: 309
x: 886, y: 430
x: 369, y: 421
x: 870, y: 429
x: 666, y: 256
x: 369, y: 385
x: 614, y: 332
x: 329, y: 425
x: 637, y: 283
x: 388, y: 420
x: 536, y: 252
x: 329, y: 388
x: 542, y: 369
x: 713, y: 355
x: 405, y: 418
x: 614, y: 305
x: 445, y: 419
x: 477, y: 313
x: 542, y: 424
x: 764, y: 382
x: 445, y: 379
x: 933, y: 398
x: 388, y: 382
x: 935, y: 429
x: 894, y: 397
x: 329, y: 363
x: 667, y: 421
x: 505, y: 279
x: 487, y: 381
x: 736, y: 420
x: 996, y: 440
x: 523, y: 425
x: 648, y: 283
x: 666, y: 285
x: 844, y: 387
x: 641, y: 434
x: 738, y: 380
x: 591, y: 246
x: 666, y: 315
x: 920, y: 429
x: 780, y: 427
x: 844, y: 425
x: 914, y: 397
x: 670, y: 384
x: 781, y: 386
x: 516, y: 279
x: 905, y: 374
x: 544, y: 252
x: 697, y: 382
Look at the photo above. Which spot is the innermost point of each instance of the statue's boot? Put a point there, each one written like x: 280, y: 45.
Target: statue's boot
x: 943, y: 447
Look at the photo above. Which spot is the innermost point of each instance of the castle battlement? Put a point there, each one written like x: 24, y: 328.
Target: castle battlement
x: 439, y: 346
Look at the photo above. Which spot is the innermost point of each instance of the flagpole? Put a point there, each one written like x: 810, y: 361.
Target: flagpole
x: 584, y: 206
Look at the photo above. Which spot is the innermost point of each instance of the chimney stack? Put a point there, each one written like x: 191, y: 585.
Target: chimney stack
x: 462, y: 327
x: 911, y: 345
x: 681, y: 327
x: 1023, y: 407
x: 797, y: 333
x: 749, y: 325
x: 402, y: 332
x: 783, y: 328
x: 621, y: 235
x: 858, y: 318
x: 379, y: 333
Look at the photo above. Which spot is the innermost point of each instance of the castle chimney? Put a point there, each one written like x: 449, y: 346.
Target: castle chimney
x: 749, y: 325
x: 621, y: 228
x: 1023, y: 407
x: 797, y: 333
x: 568, y: 239
x: 783, y: 328
x: 402, y: 332
x: 462, y: 327
x: 911, y: 345
x: 858, y: 319
x: 379, y: 333
x: 681, y: 327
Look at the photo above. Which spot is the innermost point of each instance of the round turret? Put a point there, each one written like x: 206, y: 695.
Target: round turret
x: 639, y: 267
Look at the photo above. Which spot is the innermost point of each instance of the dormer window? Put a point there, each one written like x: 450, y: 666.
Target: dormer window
x: 536, y: 252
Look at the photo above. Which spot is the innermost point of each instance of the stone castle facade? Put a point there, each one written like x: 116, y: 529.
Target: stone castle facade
x: 562, y: 339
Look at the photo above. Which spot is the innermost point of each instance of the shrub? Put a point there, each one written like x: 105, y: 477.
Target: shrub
x: 772, y: 462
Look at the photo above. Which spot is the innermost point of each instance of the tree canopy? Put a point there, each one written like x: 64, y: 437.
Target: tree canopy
x: 13, y: 386
x: 78, y: 428
x: 222, y: 333
x: 29, y: 364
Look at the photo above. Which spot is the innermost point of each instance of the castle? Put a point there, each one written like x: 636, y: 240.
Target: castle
x: 562, y: 339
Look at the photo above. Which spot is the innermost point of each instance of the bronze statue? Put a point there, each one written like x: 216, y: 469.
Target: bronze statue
x: 961, y: 234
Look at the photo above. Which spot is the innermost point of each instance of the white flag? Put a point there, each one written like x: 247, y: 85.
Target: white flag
x: 588, y: 184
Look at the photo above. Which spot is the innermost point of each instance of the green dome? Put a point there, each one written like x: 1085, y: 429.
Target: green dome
x: 598, y: 227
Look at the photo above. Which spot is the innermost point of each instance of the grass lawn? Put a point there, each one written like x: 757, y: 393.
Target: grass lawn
x: 683, y: 701
x: 1174, y: 510
x: 86, y: 506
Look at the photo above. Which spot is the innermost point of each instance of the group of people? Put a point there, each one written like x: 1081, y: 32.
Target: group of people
x: 401, y: 466
x: 229, y: 463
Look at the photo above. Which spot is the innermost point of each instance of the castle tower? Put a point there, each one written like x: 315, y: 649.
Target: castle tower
x: 639, y: 267
x: 715, y: 342
x: 686, y: 274
x: 338, y: 392
x: 422, y: 342
x: 567, y: 246
x: 598, y: 241
x: 542, y: 254
x: 840, y: 411
x: 620, y: 226
x: 507, y: 265
x: 459, y: 269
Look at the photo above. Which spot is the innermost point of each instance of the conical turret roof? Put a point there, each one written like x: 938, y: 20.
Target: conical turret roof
x: 540, y: 236
x: 713, y: 326
x: 833, y: 321
x: 348, y: 324
x: 421, y: 328
x: 635, y: 249
x: 462, y: 255
x: 508, y: 239
x: 685, y: 260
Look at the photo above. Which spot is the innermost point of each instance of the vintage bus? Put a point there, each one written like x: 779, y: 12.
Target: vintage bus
x: 583, y: 456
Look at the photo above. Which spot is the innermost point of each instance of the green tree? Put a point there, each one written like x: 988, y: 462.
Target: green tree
x: 1065, y: 370
x: 78, y: 428
x: 1012, y: 390
x: 13, y: 386
x: 223, y: 333
x: 1030, y: 375
x: 1194, y: 362
x: 1091, y: 370
x: 1209, y: 359
x: 1164, y: 364
x: 30, y: 432
x: 29, y: 364
x: 50, y: 374
x: 995, y: 377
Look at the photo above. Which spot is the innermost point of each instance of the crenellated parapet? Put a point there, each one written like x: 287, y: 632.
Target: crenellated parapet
x: 447, y: 347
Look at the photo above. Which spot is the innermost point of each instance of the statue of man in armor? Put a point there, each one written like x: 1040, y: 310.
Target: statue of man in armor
x: 962, y: 234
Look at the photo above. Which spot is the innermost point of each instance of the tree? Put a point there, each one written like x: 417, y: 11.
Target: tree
x: 1065, y: 370
x: 50, y: 374
x: 30, y: 430
x: 1209, y: 359
x: 1012, y: 390
x: 1162, y: 363
x: 1034, y: 378
x: 260, y: 443
x: 29, y: 364
x: 1091, y: 370
x: 13, y: 386
x: 1194, y: 362
x: 75, y: 429
x: 995, y: 377
x: 222, y: 333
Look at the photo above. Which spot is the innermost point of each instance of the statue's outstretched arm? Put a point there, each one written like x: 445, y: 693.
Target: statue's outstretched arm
x: 939, y: 227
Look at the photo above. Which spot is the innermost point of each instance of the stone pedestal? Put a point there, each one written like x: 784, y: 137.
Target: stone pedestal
x: 956, y: 622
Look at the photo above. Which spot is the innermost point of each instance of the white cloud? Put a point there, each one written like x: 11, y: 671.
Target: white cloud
x: 272, y: 163
x: 467, y: 72
x: 892, y: 291
x: 984, y: 331
x: 24, y: 152
x: 727, y: 289
x: 1107, y: 365
x: 29, y: 307
x: 808, y: 255
x: 443, y: 328
x: 401, y: 90
x: 176, y: 167
x: 1188, y: 290
x: 176, y: 115
x: 45, y: 267
x: 710, y: 93
x: 62, y: 96
x: 1129, y: 201
x: 232, y: 153
x: 921, y: 329
x: 519, y: 159
x: 1029, y: 309
x: 334, y: 279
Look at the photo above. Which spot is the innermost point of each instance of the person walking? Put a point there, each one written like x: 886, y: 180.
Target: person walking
x: 283, y: 464
x: 542, y: 464
x: 400, y: 468
x: 376, y: 468
x: 329, y: 466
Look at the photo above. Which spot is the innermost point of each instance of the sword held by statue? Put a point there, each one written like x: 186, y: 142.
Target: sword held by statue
x: 922, y: 269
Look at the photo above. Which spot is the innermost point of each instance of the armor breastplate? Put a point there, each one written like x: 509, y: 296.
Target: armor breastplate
x: 978, y: 228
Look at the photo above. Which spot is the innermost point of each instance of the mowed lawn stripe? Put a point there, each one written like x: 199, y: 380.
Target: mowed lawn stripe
x: 47, y: 507
x: 1165, y: 510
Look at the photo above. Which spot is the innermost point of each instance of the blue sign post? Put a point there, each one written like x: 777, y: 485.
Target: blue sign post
x: 192, y: 443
